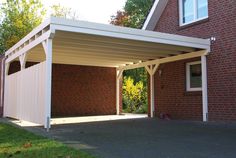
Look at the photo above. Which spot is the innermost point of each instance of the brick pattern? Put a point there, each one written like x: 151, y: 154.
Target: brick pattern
x: 170, y: 95
x: 83, y: 90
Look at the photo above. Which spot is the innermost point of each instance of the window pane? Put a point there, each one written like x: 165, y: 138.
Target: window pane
x: 202, y: 8
x: 195, y: 76
x: 188, y: 11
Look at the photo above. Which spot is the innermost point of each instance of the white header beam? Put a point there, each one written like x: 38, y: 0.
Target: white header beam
x: 166, y: 60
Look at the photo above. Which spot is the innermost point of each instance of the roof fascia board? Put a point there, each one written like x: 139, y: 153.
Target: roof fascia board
x: 127, y: 33
x: 154, y: 14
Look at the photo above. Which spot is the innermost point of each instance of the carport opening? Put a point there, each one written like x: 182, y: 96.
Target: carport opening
x: 135, y: 91
x: 83, y: 91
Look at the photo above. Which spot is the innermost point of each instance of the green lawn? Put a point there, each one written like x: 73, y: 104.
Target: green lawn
x: 18, y: 143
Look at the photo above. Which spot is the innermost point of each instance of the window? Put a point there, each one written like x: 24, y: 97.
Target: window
x: 193, y: 76
x: 192, y: 10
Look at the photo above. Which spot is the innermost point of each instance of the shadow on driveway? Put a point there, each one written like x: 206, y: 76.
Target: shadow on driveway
x: 148, y: 138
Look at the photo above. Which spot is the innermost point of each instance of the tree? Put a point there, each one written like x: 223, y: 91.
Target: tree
x: 19, y: 18
x: 133, y: 15
x: 63, y: 12
x: 120, y: 19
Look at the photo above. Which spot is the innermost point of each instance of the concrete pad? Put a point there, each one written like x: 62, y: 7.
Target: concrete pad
x: 81, y: 119
x: 84, y: 119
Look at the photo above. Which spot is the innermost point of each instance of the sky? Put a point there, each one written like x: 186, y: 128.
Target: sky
x: 98, y: 11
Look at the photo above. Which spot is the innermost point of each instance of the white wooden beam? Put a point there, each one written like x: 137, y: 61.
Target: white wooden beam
x: 7, y: 66
x: 152, y: 96
x: 44, y: 44
x: 166, y: 60
x: 151, y: 70
x: 118, y: 77
x: 23, y: 59
x: 28, y: 37
x: 204, y: 88
x: 29, y: 46
x: 48, y: 84
x: 155, y: 68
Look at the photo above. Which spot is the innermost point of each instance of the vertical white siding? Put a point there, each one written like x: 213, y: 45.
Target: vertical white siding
x: 24, y: 94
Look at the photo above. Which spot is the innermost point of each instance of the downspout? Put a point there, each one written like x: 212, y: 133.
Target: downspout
x: 2, y: 84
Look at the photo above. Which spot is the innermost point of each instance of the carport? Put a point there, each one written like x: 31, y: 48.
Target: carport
x: 28, y: 92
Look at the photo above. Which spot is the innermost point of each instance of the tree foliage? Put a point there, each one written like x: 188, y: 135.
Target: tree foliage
x: 133, y: 15
x: 63, y: 12
x: 19, y: 18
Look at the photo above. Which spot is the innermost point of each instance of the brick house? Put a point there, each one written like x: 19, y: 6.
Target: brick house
x: 181, y: 97
x: 73, y: 68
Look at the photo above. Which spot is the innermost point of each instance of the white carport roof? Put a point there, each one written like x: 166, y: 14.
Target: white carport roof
x: 83, y: 43
x: 86, y: 43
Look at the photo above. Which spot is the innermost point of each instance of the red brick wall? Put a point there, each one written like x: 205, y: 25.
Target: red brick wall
x: 170, y: 89
x: 82, y: 90
x: 171, y: 96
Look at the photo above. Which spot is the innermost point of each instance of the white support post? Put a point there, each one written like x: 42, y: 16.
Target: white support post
x: 48, y: 51
x: 151, y: 70
x: 152, y: 109
x: 204, y: 88
x: 118, y: 76
x: 23, y: 60
x: 7, y: 66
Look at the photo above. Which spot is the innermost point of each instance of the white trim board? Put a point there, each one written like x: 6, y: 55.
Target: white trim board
x: 154, y: 14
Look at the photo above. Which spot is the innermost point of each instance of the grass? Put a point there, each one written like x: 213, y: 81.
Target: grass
x: 18, y: 143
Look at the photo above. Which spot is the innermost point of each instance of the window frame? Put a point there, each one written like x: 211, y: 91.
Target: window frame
x: 194, y: 11
x: 188, y: 88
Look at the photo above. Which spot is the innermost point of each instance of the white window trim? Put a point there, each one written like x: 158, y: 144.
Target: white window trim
x: 195, y: 14
x: 188, y: 88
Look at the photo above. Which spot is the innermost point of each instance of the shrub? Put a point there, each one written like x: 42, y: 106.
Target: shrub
x: 134, y: 96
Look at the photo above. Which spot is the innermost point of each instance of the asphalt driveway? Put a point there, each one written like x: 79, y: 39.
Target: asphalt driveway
x: 148, y: 138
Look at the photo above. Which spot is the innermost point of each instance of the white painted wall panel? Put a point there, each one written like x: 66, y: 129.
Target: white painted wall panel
x: 24, y: 95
